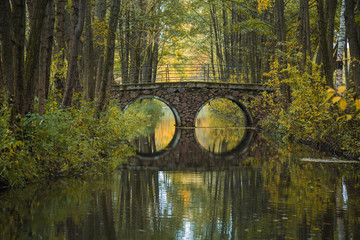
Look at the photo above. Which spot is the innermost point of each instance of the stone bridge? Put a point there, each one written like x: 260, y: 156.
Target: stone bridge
x: 185, y: 99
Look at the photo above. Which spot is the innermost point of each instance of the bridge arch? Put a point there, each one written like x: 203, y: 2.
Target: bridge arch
x: 172, y: 108
x: 185, y: 99
x: 243, y: 107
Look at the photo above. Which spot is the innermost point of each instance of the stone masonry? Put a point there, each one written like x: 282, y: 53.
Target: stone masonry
x: 186, y: 99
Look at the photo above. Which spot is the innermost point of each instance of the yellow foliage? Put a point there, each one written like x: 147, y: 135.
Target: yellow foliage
x: 357, y: 104
x: 336, y: 99
x: 343, y: 104
x: 341, y: 90
x: 347, y: 117
x: 331, y: 90
x: 263, y: 5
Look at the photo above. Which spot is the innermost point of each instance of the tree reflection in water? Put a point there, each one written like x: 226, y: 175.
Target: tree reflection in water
x: 263, y: 192
x: 158, y: 131
x: 263, y: 198
x: 220, y: 127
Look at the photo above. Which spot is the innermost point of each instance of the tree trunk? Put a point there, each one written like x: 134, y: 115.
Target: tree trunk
x: 324, y: 48
x: 353, y: 33
x: 47, y: 40
x: 341, y: 47
x: 136, y: 49
x: 281, y: 41
x: 32, y: 55
x: 89, y: 72
x: 109, y: 56
x: 155, y: 56
x: 218, y: 48
x: 331, y: 6
x: 234, y: 36
x: 212, y: 60
x: 100, y: 13
x: 226, y: 43
x: 77, y: 24
x: 7, y: 66
x: 19, y: 54
x: 61, y: 46
x: 124, y: 27
x: 304, y: 33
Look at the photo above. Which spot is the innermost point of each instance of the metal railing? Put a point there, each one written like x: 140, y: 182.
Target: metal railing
x: 189, y: 73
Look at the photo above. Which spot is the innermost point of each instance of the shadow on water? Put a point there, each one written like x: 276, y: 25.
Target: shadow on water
x: 250, y: 188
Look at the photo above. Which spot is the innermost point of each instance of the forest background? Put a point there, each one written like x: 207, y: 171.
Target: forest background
x: 58, y: 59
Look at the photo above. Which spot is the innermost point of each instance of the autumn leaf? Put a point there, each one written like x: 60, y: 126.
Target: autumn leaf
x: 263, y: 5
x: 357, y: 104
x: 343, y: 105
x: 341, y: 89
x: 329, y: 96
x: 330, y: 90
x: 336, y: 99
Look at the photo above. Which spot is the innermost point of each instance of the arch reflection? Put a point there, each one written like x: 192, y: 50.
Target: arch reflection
x: 187, y: 154
x: 220, y: 133
x: 157, y: 132
x: 220, y: 126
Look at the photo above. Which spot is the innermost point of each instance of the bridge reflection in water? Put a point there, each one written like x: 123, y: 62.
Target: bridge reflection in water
x: 233, y: 192
x: 214, y: 139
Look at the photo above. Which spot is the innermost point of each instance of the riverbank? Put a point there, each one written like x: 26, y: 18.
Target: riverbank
x: 69, y: 142
x: 267, y: 189
x: 63, y: 142
x: 316, y: 115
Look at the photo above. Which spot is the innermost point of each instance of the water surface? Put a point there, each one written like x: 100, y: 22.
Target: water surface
x: 242, y: 186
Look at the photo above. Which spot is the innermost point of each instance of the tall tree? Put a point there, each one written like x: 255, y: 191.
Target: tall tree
x: 61, y: 47
x: 77, y: 24
x: 341, y: 47
x: 353, y: 33
x: 140, y: 27
x: 100, y: 14
x: 6, y: 28
x: 19, y: 54
x: 304, y: 32
x: 109, y: 55
x: 47, y: 39
x: 32, y: 54
x: 124, y: 30
x: 280, y: 26
x: 326, y: 31
x: 89, y: 61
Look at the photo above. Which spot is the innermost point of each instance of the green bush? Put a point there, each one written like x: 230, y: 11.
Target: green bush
x: 316, y: 114
x: 63, y: 142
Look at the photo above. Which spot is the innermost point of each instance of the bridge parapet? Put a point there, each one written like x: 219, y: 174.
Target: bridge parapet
x: 186, y: 99
x: 190, y: 72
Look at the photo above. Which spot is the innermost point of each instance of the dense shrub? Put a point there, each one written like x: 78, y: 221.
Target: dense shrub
x: 64, y: 142
x: 316, y: 115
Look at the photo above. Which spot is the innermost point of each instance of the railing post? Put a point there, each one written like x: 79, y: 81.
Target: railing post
x: 203, y: 66
x: 208, y: 72
x: 168, y: 73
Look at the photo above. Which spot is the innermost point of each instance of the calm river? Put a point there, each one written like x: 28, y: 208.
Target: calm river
x: 217, y: 181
